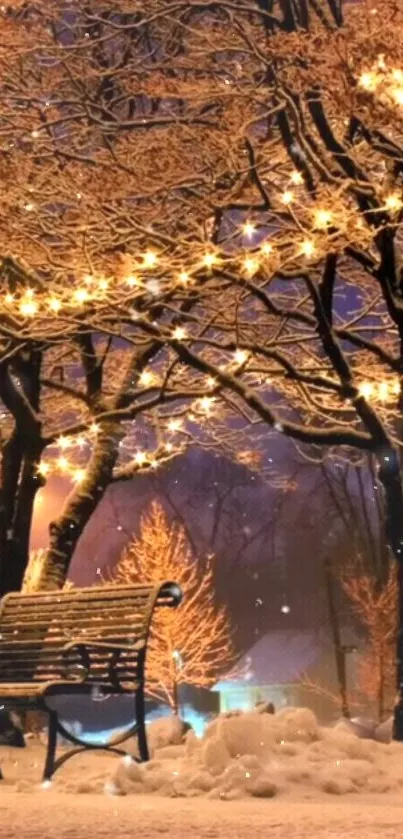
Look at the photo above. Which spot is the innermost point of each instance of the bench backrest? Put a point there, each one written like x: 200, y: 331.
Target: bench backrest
x: 35, y: 629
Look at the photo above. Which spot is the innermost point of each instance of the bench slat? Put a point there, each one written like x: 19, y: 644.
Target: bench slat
x: 35, y: 628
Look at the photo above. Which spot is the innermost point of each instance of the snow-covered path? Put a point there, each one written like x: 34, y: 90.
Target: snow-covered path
x: 49, y: 815
x: 253, y: 776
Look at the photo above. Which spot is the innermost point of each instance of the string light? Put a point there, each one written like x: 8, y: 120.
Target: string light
x: 55, y: 304
x: 79, y: 475
x: 267, y: 249
x: 9, y: 298
x: 251, y: 265
x: 28, y: 307
x: 150, y: 259
x: 132, y: 281
x: 81, y: 295
x: 210, y: 259
x: 206, y: 403
x: 240, y: 356
x: 307, y: 248
x: 146, y: 378
x: 287, y: 197
x: 383, y: 391
x: 248, y: 229
x: 366, y: 389
x: 184, y: 277
x: 368, y: 81
x: 44, y: 468
x: 211, y: 382
x: 296, y: 177
x: 140, y: 457
x: 323, y: 218
x: 393, y: 202
x: 179, y: 333
x: 63, y: 463
x: 398, y: 95
x: 174, y: 424
x: 64, y: 442
x: 94, y: 428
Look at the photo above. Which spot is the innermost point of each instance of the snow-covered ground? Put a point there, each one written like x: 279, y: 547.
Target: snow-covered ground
x: 255, y: 775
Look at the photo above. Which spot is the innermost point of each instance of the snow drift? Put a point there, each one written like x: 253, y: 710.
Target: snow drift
x: 262, y: 755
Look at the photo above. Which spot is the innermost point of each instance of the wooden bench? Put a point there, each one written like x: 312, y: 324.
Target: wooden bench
x: 79, y: 641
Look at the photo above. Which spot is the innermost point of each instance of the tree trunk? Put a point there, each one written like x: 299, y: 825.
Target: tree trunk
x: 338, y: 649
x: 381, y: 689
x: 390, y: 477
x: 175, y: 698
x: 67, y: 529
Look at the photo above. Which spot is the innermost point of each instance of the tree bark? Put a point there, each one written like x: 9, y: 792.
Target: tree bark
x: 390, y: 477
x: 338, y: 649
x: 67, y: 529
x: 175, y: 698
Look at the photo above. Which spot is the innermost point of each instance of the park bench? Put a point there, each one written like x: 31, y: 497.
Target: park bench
x: 88, y: 641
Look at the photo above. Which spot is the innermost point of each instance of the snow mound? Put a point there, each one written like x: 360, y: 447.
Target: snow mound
x: 262, y: 755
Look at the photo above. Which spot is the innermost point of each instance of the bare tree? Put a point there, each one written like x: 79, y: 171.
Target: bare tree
x: 191, y: 645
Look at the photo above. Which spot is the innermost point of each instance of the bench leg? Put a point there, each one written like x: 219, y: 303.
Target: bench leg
x: 51, y: 750
x: 141, y: 731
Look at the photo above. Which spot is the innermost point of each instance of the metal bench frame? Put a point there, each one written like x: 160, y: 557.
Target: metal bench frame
x: 32, y: 694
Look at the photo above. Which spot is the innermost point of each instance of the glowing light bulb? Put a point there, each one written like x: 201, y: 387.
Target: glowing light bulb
x: 285, y: 609
x: 296, y: 177
x: 103, y: 284
x: 287, y: 197
x: 368, y: 81
x: 81, y: 295
x: 94, y: 428
x: 79, y: 475
x: 150, y: 259
x: 383, y: 391
x: 184, y: 277
x: 250, y: 265
x: 63, y: 463
x: 366, y: 389
x: 396, y: 387
x: 146, y: 378
x: 267, y: 249
x: 29, y: 207
x: 174, y: 424
x: 9, y: 298
x: 44, y: 468
x: 397, y: 75
x: 323, y: 218
x: 28, y: 307
x: 132, y: 281
x: 179, y: 333
x: 240, y: 356
x: 168, y: 447
x: 398, y: 95
x: 206, y: 403
x: 55, y: 304
x: 393, y: 203
x: 307, y: 248
x: 209, y: 260
x: 140, y: 458
x: 64, y: 442
x: 211, y: 382
x: 248, y: 229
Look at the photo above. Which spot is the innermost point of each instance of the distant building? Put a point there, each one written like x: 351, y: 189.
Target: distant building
x: 278, y: 668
